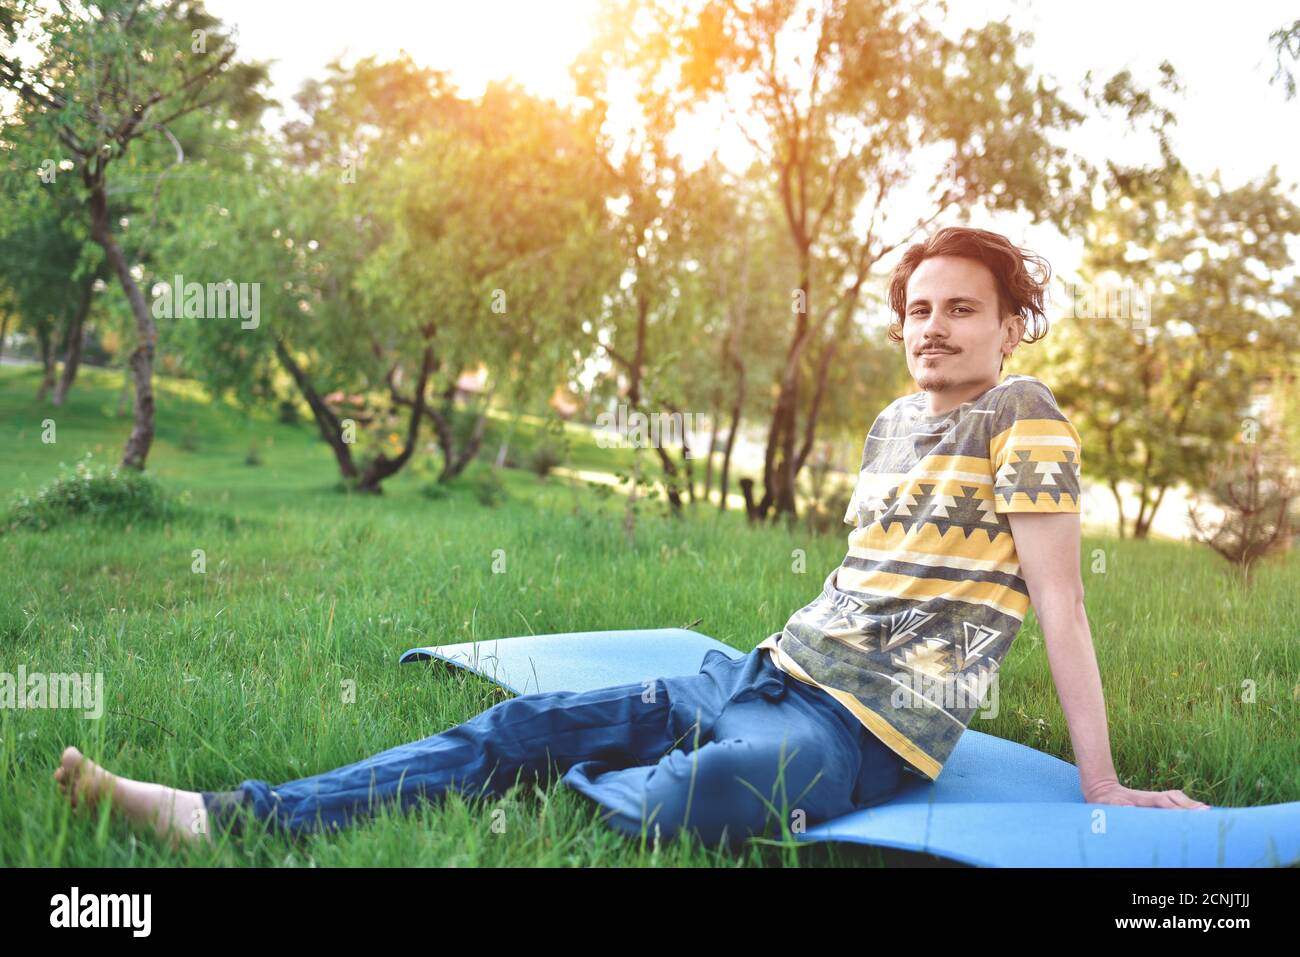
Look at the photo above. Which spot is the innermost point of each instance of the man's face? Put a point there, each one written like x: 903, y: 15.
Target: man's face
x: 952, y: 308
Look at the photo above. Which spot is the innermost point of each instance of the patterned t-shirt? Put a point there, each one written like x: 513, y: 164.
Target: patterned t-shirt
x: 912, y: 626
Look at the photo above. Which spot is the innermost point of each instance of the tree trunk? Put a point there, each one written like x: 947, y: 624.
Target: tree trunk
x: 43, y: 336
x: 670, y: 476
x: 466, y: 455
x: 72, y: 345
x: 1119, y: 506
x: 822, y: 375
x: 454, y: 461
x: 688, y: 466
x: 724, y: 485
x: 327, y: 422
x: 1142, y: 527
x: 381, y: 466
x: 713, y: 441
x: 141, y: 362
x: 788, y: 406
x: 634, y: 369
x: 505, y: 443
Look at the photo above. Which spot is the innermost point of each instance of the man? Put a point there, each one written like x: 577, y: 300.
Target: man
x: 965, y: 511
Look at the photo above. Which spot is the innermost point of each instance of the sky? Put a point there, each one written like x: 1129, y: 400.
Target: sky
x: 1230, y: 117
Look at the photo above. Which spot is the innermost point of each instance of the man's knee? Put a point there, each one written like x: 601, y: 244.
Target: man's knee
x: 732, y: 784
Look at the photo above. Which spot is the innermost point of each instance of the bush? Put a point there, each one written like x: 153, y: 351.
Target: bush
x: 288, y: 412
x: 488, y: 487
x: 437, y: 491
x: 826, y: 517
x: 552, y: 450
x: 100, y: 493
x: 545, y: 457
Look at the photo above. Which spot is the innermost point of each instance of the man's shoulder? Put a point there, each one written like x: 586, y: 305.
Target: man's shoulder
x: 1024, y: 396
x: 1019, y: 384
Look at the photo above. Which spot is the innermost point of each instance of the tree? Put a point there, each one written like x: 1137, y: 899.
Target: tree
x: 109, y: 74
x: 43, y: 265
x: 1156, y: 394
x: 1286, y: 43
x: 427, y: 234
x: 491, y: 240
x: 841, y: 100
x: 1254, y: 487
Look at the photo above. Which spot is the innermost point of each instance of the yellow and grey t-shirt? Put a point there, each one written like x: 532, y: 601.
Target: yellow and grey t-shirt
x: 912, y: 626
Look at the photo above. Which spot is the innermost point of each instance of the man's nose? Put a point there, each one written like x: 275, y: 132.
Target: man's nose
x: 932, y: 332
x: 933, y: 326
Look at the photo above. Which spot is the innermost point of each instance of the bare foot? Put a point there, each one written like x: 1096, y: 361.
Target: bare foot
x: 175, y: 816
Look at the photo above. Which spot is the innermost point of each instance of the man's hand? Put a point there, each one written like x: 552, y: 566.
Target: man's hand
x: 1112, y: 792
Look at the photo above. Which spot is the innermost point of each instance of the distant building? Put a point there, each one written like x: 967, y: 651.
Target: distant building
x: 564, y: 402
x: 469, y: 385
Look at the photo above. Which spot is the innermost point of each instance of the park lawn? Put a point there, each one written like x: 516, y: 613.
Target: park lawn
x: 239, y: 672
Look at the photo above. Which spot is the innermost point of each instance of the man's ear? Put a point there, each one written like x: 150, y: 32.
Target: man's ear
x: 1015, y: 323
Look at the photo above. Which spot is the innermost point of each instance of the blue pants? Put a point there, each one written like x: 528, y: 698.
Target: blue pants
x: 724, y: 753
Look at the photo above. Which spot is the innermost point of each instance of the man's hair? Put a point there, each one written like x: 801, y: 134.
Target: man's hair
x: 1019, y: 292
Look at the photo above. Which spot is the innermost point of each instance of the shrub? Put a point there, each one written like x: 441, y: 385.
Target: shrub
x: 545, y: 457
x: 488, y: 487
x: 826, y: 516
x: 95, y: 492
x: 437, y: 491
x: 552, y: 450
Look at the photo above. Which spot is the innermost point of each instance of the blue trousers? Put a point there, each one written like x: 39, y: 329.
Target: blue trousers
x: 723, y: 753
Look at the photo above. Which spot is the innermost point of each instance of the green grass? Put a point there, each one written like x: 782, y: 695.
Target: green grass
x: 237, y: 673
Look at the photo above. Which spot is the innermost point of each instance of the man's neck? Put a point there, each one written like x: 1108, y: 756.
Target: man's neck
x: 941, y: 403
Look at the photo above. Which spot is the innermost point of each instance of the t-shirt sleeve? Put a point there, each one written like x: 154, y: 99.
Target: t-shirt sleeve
x: 1035, y: 453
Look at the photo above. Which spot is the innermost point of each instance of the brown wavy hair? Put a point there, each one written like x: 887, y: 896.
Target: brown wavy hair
x: 1019, y: 292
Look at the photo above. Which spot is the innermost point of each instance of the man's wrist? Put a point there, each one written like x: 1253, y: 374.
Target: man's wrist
x: 1092, y: 785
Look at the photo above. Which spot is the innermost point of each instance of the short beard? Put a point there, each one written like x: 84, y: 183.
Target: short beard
x: 933, y: 381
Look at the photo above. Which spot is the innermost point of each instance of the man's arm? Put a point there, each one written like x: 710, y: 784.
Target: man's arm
x: 1048, y: 544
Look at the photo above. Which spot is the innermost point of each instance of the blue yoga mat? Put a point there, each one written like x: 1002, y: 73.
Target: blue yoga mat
x: 996, y: 803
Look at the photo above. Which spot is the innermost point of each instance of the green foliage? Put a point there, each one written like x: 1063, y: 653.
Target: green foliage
x: 488, y: 488
x: 601, y: 491
x: 288, y: 412
x: 826, y: 516
x: 95, y: 492
x: 436, y: 491
x: 545, y: 457
x: 552, y: 450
